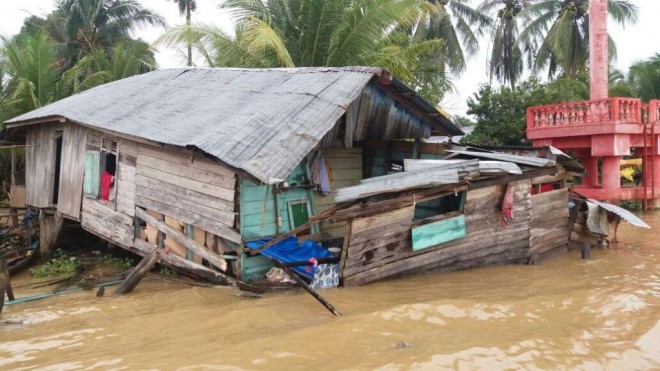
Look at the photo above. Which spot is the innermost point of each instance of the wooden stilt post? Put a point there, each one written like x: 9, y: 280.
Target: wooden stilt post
x: 49, y: 230
x: 4, y: 281
x: 586, y: 251
x: 138, y: 273
x: 305, y: 286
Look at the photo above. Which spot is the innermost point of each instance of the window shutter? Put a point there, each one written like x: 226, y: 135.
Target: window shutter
x: 91, y: 180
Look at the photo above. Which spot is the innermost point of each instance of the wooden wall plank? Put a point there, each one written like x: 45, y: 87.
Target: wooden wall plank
x: 72, y: 170
x: 225, y: 217
x: 203, y: 176
x: 185, y: 157
x: 205, y: 188
x: 183, y: 193
x: 40, y: 164
x: 484, y: 233
x: 107, y: 223
x: 190, y: 217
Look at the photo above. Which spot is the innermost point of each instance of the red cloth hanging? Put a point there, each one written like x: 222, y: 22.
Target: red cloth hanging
x: 106, y: 182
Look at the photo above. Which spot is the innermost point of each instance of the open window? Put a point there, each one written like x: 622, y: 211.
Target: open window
x: 438, y: 221
x: 101, y: 170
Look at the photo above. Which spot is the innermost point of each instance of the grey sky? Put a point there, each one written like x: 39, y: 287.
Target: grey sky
x: 634, y: 43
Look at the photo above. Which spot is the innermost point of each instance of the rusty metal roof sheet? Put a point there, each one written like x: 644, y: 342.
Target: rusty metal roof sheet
x: 263, y: 121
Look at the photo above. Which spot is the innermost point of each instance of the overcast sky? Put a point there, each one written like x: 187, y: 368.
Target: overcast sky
x: 636, y: 42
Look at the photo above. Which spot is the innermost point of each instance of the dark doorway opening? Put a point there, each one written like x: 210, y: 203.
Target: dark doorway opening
x: 58, y: 165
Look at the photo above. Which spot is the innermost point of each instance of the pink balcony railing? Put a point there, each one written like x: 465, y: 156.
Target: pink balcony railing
x: 619, y: 110
x: 651, y: 111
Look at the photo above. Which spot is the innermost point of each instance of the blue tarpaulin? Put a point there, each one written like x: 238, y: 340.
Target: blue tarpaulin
x: 289, y: 251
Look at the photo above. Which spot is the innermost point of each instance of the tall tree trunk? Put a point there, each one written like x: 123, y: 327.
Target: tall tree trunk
x: 189, y: 45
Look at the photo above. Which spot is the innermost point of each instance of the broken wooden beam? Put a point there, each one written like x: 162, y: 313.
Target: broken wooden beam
x: 181, y: 238
x: 305, y: 286
x: 138, y: 273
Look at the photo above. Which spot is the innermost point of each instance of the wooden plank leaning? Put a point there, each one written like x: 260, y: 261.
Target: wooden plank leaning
x: 305, y: 286
x: 184, y: 240
x: 138, y: 273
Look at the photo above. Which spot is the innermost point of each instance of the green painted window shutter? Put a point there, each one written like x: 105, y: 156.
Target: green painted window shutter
x: 91, y: 180
x: 442, y: 231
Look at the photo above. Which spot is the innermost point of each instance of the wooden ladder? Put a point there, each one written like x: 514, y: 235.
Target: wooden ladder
x: 650, y: 151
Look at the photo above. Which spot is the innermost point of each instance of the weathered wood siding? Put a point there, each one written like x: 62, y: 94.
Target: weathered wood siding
x: 549, y: 223
x: 346, y: 166
x: 102, y: 220
x: 387, y: 249
x: 40, y: 164
x: 197, y: 192
x: 125, y: 177
x: 72, y: 170
x: 257, y: 206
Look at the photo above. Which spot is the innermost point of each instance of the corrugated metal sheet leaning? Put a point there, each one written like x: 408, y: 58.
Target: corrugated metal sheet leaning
x: 522, y: 160
x: 396, y: 183
x: 623, y: 213
x: 483, y: 167
x: 263, y: 121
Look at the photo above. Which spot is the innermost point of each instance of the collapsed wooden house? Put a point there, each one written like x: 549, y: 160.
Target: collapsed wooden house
x: 201, y: 163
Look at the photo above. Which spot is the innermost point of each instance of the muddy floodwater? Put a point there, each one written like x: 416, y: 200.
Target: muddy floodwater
x: 563, y: 314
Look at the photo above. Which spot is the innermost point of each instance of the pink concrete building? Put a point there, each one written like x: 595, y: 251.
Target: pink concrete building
x: 605, y: 128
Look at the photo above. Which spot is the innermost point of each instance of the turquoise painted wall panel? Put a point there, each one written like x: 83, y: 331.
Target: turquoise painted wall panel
x: 439, y: 232
x: 253, y: 210
x: 91, y: 179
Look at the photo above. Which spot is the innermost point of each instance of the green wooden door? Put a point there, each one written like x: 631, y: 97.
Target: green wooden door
x: 299, y: 213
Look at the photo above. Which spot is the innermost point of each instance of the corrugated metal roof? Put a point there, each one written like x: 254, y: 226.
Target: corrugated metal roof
x: 263, y: 121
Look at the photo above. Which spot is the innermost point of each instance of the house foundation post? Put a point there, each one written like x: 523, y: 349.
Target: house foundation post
x: 49, y: 230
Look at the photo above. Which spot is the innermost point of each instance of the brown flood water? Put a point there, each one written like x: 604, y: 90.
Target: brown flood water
x: 563, y: 314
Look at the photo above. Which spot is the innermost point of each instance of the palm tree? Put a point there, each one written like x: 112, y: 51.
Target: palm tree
x: 459, y: 26
x: 99, y: 67
x: 102, y: 23
x: 506, y: 57
x: 645, y: 76
x: 560, y: 30
x: 32, y: 71
x: 186, y: 7
x: 290, y: 33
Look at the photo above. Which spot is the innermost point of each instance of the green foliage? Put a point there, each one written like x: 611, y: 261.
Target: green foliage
x: 118, y: 262
x: 501, y: 112
x: 464, y: 122
x: 557, y: 33
x: 458, y: 25
x: 93, y: 24
x: 294, y: 33
x: 632, y: 205
x: 61, y: 263
x: 166, y: 271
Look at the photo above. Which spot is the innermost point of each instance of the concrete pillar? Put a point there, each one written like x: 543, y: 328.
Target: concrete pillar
x: 656, y: 176
x: 591, y: 165
x: 612, y: 177
x: 598, y: 57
